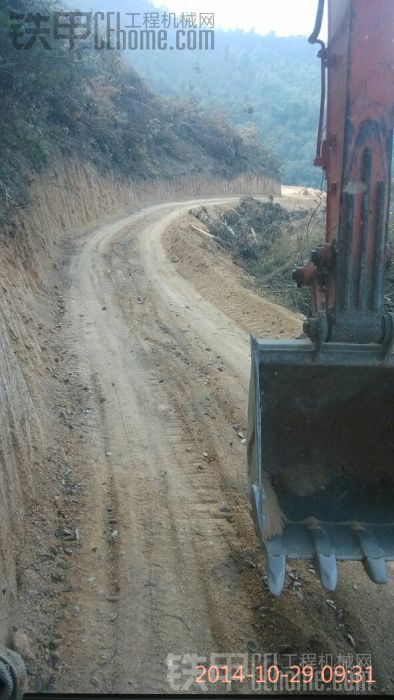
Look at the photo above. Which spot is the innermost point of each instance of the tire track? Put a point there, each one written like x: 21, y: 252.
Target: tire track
x: 166, y: 359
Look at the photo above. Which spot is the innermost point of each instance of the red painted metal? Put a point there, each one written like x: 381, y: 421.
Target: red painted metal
x: 337, y: 86
x: 356, y: 154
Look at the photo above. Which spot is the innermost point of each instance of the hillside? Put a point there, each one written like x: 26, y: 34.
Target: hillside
x: 90, y: 103
x: 268, y: 85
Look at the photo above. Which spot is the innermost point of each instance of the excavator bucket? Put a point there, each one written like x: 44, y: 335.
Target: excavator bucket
x: 320, y: 456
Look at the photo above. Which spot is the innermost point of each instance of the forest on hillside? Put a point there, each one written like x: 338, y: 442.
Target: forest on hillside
x: 263, y: 85
x: 92, y: 104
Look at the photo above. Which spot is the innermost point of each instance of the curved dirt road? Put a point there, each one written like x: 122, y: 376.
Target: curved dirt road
x: 157, y: 333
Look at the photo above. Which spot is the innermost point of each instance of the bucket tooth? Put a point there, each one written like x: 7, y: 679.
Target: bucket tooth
x: 374, y: 562
x: 325, y: 558
x: 327, y: 566
x: 376, y: 569
x: 276, y: 573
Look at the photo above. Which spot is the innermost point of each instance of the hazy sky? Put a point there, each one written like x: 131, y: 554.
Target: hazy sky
x: 284, y: 17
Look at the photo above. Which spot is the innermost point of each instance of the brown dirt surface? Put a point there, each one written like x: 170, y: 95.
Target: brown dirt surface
x: 158, y: 548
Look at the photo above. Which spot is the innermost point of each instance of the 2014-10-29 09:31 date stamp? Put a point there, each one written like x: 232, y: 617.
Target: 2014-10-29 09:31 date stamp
x: 271, y: 672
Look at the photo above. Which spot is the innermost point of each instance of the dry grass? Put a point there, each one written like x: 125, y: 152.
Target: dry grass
x: 274, y: 275
x: 269, y: 240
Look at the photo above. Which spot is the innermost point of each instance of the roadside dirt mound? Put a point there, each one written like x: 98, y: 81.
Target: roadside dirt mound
x: 213, y: 273
x: 27, y: 370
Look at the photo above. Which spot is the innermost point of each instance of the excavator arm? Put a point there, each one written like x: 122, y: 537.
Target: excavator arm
x: 347, y: 272
x: 321, y: 434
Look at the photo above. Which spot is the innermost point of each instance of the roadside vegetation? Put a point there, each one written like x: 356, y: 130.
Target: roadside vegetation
x: 269, y: 241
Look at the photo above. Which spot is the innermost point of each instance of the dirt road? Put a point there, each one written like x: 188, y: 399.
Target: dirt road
x: 165, y: 559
